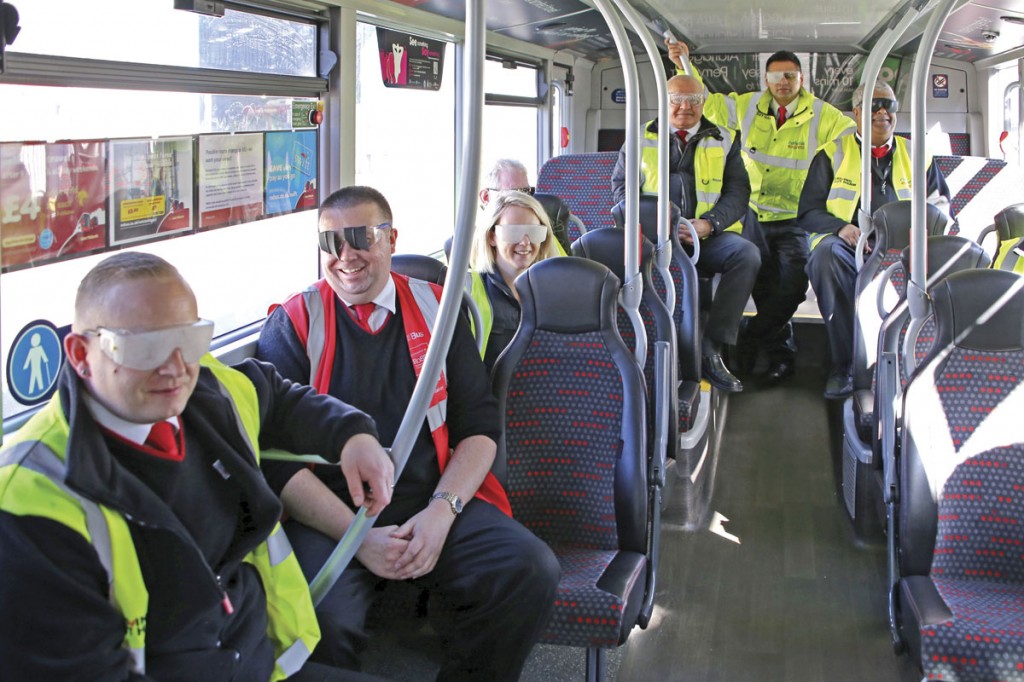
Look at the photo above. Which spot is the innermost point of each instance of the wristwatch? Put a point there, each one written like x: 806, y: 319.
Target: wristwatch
x: 450, y: 498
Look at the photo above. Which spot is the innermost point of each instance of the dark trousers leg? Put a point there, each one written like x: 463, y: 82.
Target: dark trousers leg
x: 342, y: 612
x: 738, y: 262
x: 780, y: 288
x: 491, y: 595
x: 833, y: 274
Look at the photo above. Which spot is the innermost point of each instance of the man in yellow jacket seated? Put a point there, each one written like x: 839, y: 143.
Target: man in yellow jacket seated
x: 781, y: 128
x: 138, y: 538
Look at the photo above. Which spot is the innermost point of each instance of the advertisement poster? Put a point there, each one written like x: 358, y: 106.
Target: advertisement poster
x: 408, y: 61
x: 152, y: 183
x: 52, y: 200
x: 291, y: 171
x: 230, y: 179
x: 835, y: 76
x: 728, y: 73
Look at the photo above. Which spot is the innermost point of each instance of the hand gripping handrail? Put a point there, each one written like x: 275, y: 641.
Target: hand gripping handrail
x: 451, y: 298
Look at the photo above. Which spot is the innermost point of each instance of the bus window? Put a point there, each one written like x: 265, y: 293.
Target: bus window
x: 1011, y: 121
x: 511, y: 114
x: 405, y: 147
x: 65, y: 151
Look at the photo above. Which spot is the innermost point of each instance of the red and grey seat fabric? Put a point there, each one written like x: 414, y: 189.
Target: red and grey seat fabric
x: 573, y: 456
x: 960, y: 605
x: 608, y: 248
x: 581, y: 180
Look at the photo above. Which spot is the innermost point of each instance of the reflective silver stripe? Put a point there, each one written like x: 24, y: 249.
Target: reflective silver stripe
x: 437, y: 415
x: 837, y: 158
x: 38, y: 457
x: 293, y: 658
x: 778, y: 161
x: 648, y: 142
x: 904, y: 194
x: 139, y: 659
x: 842, y: 193
x: 812, y: 129
x: 769, y: 209
x: 748, y: 115
x: 238, y: 417
x: 278, y: 547
x: 316, y: 333
x: 730, y: 106
x: 425, y: 299
x: 725, y: 144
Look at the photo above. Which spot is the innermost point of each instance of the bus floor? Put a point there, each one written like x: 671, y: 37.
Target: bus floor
x: 780, y: 592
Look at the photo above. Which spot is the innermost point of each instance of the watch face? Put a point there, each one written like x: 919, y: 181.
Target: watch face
x: 458, y: 505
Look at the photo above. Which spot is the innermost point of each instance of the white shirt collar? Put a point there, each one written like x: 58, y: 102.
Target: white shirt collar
x: 385, y: 299
x: 690, y: 132
x: 888, y: 143
x: 130, y: 431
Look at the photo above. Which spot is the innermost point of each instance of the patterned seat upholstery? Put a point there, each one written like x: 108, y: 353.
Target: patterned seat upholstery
x: 573, y: 455
x: 583, y: 181
x: 687, y: 307
x: 977, y: 186
x: 958, y: 610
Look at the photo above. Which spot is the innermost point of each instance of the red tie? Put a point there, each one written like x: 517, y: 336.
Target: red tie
x: 162, y: 439
x: 782, y: 116
x: 879, y: 152
x: 363, y: 312
x: 682, y: 135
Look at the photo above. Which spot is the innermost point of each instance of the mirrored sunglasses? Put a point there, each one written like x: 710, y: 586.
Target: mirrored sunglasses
x: 149, y: 350
x: 678, y: 99
x: 776, y: 77
x: 889, y: 104
x: 514, y: 234
x: 362, y: 238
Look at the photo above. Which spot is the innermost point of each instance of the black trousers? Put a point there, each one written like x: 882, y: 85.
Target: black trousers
x: 832, y: 269
x: 780, y: 288
x: 738, y: 261
x: 491, y: 595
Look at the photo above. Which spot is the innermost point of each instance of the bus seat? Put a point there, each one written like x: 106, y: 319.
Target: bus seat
x: 419, y: 266
x: 962, y: 409
x: 891, y: 230
x: 583, y: 181
x: 571, y: 397
x: 1006, y: 225
x: 1009, y: 226
x: 558, y: 214
x: 607, y: 248
x: 977, y: 185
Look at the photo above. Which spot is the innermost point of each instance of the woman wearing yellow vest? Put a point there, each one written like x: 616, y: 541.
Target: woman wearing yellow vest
x: 515, y: 234
x: 828, y: 212
x: 138, y: 538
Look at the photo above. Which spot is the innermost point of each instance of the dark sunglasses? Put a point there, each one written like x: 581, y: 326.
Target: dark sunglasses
x: 890, y: 105
x: 362, y: 238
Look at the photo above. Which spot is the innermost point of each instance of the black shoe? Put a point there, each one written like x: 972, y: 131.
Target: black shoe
x: 744, y: 356
x: 839, y: 385
x: 778, y: 372
x: 715, y: 371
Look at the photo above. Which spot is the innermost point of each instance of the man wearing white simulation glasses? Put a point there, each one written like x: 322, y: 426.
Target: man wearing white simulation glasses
x: 138, y: 537
x: 361, y: 334
x: 780, y: 129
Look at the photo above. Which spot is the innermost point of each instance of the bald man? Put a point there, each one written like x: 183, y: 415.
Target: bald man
x: 138, y: 538
x: 698, y: 149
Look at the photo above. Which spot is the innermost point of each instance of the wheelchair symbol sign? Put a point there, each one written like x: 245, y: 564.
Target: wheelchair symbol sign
x: 34, y: 362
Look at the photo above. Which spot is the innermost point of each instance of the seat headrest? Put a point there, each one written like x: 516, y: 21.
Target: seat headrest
x: 892, y: 223
x: 648, y: 217
x: 558, y: 214
x: 982, y: 309
x: 608, y: 248
x: 1010, y: 222
x: 568, y: 295
x: 948, y: 254
x: 419, y: 266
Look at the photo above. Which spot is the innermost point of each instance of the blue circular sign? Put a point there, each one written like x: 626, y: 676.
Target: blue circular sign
x: 34, y: 362
x: 46, y: 239
x: 619, y: 96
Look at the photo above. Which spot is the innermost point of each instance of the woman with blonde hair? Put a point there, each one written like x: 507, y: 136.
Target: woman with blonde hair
x: 514, y: 233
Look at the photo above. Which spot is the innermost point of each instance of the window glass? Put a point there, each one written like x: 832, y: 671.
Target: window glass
x: 405, y: 147
x: 520, y: 81
x: 116, y: 30
x: 509, y: 133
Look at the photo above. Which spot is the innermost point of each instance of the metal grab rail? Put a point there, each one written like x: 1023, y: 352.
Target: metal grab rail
x: 451, y: 298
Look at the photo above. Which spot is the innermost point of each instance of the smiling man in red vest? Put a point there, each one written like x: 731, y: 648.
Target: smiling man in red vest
x: 361, y: 333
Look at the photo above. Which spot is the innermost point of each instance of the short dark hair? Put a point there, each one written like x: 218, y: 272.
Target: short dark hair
x: 356, y: 195
x: 123, y: 266
x: 783, y: 56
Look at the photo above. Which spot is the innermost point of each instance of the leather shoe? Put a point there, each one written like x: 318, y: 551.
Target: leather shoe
x: 839, y: 385
x: 779, y: 371
x: 714, y: 370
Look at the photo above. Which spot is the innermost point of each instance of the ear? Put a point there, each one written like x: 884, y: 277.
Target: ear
x: 77, y: 349
x: 484, y: 197
x: 393, y: 238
